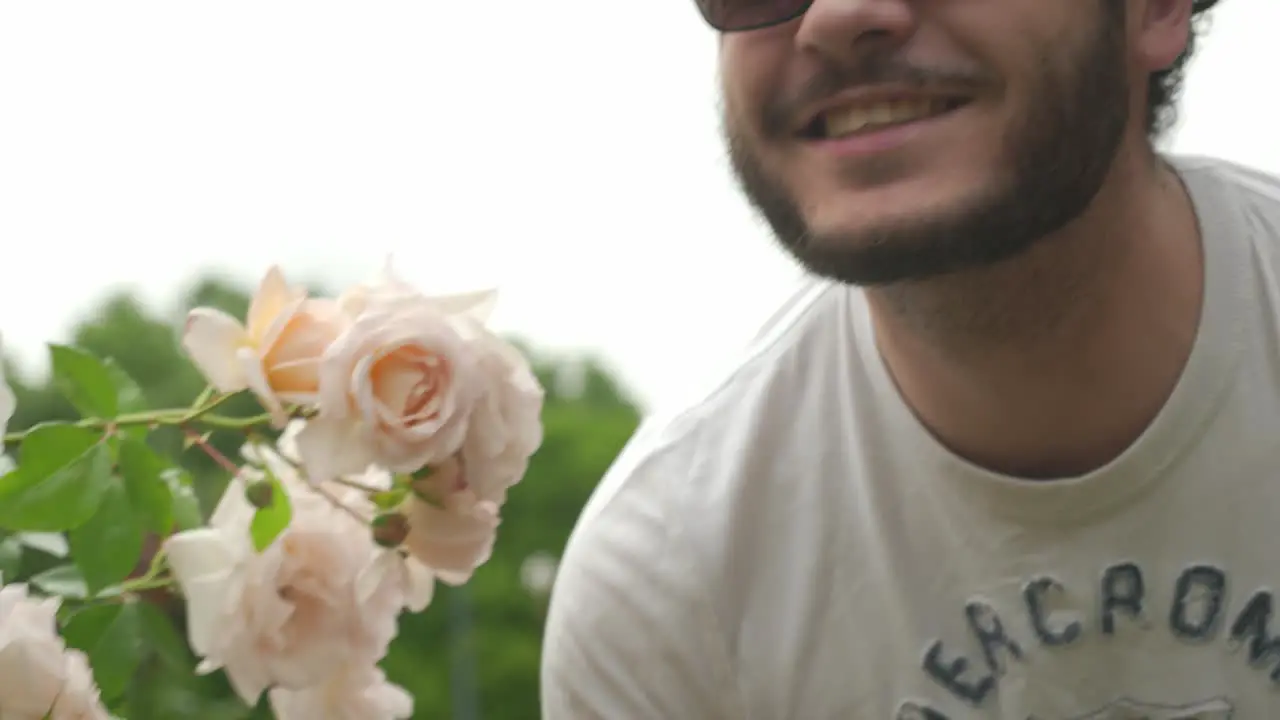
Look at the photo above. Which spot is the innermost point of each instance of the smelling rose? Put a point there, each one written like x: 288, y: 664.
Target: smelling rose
x: 39, y: 676
x: 275, y: 353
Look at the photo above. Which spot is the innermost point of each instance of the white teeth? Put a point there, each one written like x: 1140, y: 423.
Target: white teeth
x: 849, y: 120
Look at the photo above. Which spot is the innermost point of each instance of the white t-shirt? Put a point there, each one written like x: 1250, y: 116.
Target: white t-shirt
x: 795, y: 545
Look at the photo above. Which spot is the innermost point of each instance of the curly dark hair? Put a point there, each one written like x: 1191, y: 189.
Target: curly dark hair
x: 1164, y: 88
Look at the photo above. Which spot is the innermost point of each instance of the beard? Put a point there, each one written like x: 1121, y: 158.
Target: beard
x: 1055, y: 158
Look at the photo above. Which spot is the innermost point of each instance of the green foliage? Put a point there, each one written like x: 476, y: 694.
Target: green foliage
x: 107, y: 547
x: 88, y: 503
x: 112, y: 637
x: 85, y: 381
x: 142, y: 472
x: 64, y: 472
x: 272, y: 516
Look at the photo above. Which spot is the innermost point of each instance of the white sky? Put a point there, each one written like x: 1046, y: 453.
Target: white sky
x: 565, y: 151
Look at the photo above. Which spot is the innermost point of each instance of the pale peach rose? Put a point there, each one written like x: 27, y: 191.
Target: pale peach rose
x: 451, y: 529
x: 387, y: 571
x: 275, y: 353
x: 505, y: 427
x: 356, y: 692
x: 396, y: 390
x: 291, y: 615
x: 79, y: 699
x: 39, y: 676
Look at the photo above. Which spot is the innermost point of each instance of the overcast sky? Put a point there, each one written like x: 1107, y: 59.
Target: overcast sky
x: 566, y: 152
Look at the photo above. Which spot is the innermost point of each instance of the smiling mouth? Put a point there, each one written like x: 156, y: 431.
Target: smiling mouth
x: 868, y: 117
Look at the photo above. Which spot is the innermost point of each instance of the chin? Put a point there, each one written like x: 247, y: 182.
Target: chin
x: 867, y: 216
x: 873, y: 239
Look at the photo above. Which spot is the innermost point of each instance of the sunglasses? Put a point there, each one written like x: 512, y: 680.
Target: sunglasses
x: 741, y: 15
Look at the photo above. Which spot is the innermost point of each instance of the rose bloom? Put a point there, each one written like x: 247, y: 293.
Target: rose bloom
x: 454, y: 514
x: 354, y: 692
x: 291, y: 615
x: 505, y: 427
x: 275, y: 353
x: 386, y: 567
x: 39, y: 677
x: 396, y: 388
x: 452, y: 530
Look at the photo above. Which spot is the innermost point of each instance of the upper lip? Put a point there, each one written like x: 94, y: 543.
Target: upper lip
x: 870, y: 96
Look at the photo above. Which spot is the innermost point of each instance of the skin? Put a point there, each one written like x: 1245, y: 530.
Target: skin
x: 1028, y: 252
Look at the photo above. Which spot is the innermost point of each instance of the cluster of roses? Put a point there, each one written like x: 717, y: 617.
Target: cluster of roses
x: 405, y: 421
x: 417, y: 419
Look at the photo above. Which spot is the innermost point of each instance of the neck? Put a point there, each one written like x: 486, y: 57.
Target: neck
x: 1050, y: 365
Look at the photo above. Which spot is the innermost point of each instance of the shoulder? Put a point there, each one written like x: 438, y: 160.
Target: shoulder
x: 1237, y: 205
x: 1251, y: 189
x: 635, y: 582
x: 1229, y: 173
x: 678, y: 443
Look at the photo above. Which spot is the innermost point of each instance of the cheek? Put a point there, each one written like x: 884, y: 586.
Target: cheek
x: 752, y: 74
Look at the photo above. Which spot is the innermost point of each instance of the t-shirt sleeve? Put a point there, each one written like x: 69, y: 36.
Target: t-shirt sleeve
x: 630, y: 634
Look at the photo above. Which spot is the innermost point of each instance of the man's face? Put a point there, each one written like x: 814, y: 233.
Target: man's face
x: 891, y: 140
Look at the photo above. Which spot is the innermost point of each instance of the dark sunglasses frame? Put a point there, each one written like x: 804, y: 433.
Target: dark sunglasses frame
x: 707, y: 9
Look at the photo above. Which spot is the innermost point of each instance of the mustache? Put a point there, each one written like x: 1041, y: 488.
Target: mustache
x: 781, y: 114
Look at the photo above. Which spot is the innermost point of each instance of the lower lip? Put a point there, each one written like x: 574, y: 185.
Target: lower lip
x: 880, y: 141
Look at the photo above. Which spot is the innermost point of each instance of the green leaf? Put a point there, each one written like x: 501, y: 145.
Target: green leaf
x: 270, y: 521
x: 117, y: 653
x: 129, y: 397
x: 143, y: 471
x: 107, y: 547
x: 61, y: 477
x: 50, y: 446
x: 169, y: 646
x: 84, y: 627
x: 84, y: 380
x: 10, y: 558
x: 112, y: 637
x: 186, y: 506
x: 63, y: 581
x: 54, y: 544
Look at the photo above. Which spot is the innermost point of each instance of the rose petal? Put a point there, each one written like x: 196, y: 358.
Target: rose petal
x: 421, y: 585
x: 477, y: 305
x: 331, y: 448
x: 452, y: 542
x: 202, y: 562
x: 213, y: 339
x: 31, y: 673
x: 256, y: 379
x: 371, y: 576
x: 79, y: 698
x: 233, y: 511
x: 355, y: 693
x: 269, y: 305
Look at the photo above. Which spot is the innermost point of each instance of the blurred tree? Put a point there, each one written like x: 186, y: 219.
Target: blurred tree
x: 587, y: 419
